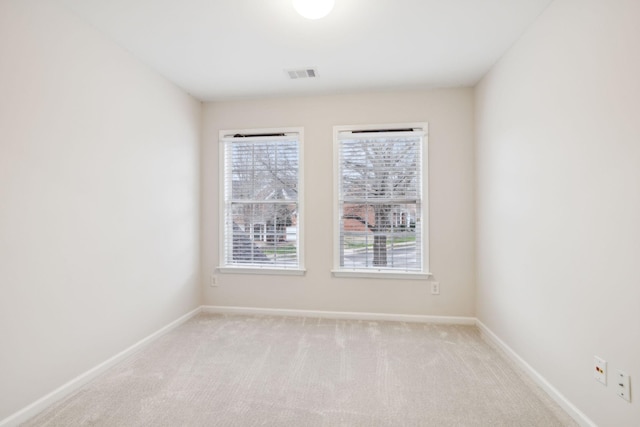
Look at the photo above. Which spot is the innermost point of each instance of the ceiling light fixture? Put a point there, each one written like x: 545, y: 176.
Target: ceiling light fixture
x: 313, y: 9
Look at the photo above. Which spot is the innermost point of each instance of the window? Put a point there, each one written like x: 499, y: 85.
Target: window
x: 380, y: 214
x: 261, y: 183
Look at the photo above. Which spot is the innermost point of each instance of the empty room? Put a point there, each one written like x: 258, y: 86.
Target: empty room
x: 319, y: 213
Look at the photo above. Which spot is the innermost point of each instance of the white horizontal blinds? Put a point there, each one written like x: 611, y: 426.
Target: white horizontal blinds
x: 261, y: 201
x: 380, y: 202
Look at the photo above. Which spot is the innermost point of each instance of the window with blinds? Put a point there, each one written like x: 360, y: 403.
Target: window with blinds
x: 380, y: 204
x: 262, y: 210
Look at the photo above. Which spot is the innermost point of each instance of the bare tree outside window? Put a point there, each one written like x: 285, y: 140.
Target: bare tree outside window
x: 261, y: 201
x: 380, y: 202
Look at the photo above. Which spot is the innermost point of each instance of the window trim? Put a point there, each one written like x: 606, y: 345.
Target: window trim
x: 225, y: 136
x: 395, y: 129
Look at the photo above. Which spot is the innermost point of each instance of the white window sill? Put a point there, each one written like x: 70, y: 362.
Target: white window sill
x: 381, y: 274
x: 263, y: 270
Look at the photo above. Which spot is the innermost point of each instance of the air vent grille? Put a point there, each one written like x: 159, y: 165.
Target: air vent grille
x: 302, y: 73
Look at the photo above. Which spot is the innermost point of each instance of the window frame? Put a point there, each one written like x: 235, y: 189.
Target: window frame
x: 372, y: 273
x: 299, y: 270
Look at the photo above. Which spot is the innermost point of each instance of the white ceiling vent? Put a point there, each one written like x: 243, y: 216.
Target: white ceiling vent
x: 302, y: 73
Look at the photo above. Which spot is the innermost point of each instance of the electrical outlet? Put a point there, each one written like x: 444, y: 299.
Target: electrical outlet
x: 213, y: 281
x: 435, y: 288
x: 600, y: 371
x: 623, y: 385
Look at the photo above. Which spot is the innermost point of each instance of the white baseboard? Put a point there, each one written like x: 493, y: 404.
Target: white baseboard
x: 451, y: 320
x: 73, y: 385
x: 564, y: 403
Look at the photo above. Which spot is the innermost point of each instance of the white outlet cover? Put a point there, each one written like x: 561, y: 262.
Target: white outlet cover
x: 622, y: 385
x: 435, y: 288
x: 600, y: 370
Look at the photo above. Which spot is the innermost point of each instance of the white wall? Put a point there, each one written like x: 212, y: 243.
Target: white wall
x: 558, y: 196
x: 451, y: 198
x: 99, y: 201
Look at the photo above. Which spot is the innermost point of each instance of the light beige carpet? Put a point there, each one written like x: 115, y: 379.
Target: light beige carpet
x: 220, y: 370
